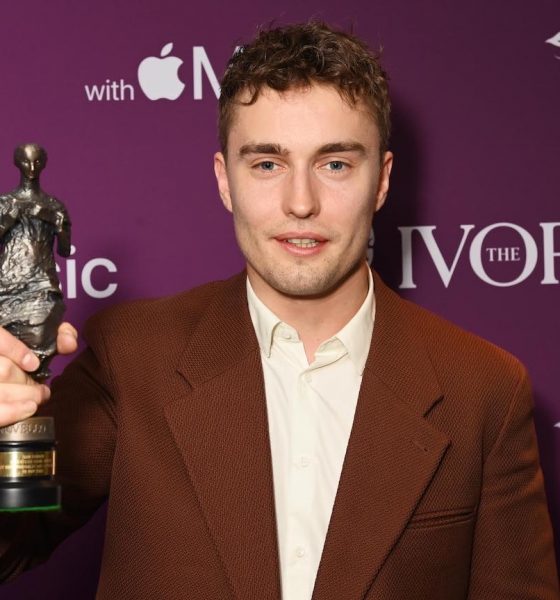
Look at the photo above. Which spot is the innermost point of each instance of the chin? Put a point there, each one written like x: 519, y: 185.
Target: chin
x: 304, y: 287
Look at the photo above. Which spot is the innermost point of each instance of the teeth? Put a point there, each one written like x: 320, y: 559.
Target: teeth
x: 303, y: 242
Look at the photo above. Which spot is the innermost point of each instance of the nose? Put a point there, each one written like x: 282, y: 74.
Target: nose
x: 301, y: 198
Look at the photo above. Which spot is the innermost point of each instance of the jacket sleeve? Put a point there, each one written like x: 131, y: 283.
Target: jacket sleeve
x: 513, y: 555
x: 85, y: 425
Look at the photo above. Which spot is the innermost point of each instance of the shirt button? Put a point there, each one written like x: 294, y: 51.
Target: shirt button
x: 300, y: 552
x: 286, y: 335
x: 304, y: 461
x: 308, y: 377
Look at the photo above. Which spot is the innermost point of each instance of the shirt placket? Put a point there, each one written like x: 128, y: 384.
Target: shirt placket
x: 302, y: 484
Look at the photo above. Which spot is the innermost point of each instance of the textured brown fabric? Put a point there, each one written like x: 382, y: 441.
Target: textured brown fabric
x: 440, y: 498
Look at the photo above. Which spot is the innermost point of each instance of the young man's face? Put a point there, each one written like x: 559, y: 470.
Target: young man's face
x: 303, y: 179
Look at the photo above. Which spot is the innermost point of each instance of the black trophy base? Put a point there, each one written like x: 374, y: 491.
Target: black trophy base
x: 29, y: 496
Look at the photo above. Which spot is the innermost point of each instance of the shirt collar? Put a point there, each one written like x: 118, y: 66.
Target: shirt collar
x: 355, y: 335
x: 264, y: 320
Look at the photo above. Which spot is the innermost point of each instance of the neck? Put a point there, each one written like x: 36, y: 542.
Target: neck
x: 316, y: 318
x: 29, y: 185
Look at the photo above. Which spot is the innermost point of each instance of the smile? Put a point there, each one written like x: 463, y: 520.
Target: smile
x: 303, y: 242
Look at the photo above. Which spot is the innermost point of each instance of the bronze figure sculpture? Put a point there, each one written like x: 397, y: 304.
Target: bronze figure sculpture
x: 31, y: 307
x: 31, y: 303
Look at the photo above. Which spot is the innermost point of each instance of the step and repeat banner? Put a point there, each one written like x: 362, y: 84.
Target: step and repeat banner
x: 123, y: 95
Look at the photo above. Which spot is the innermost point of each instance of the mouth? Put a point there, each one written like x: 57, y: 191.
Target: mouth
x: 301, y: 243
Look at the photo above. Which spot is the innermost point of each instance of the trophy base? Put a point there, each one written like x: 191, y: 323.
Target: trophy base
x: 27, y: 466
x: 30, y: 496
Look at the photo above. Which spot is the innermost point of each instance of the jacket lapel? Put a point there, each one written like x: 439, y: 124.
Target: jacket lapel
x: 221, y: 429
x: 391, y: 458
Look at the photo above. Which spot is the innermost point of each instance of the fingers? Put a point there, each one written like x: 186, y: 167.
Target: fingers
x: 18, y: 402
x: 17, y: 352
x: 67, y: 339
x: 11, y: 373
x: 20, y: 395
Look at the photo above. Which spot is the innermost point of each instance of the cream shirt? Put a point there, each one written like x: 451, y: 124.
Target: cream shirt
x: 310, y: 413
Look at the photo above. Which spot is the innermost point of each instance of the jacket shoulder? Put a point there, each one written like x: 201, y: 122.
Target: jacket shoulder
x: 458, y: 354
x: 146, y: 320
x: 483, y: 386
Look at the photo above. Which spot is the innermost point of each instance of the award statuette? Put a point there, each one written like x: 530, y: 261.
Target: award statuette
x: 31, y: 308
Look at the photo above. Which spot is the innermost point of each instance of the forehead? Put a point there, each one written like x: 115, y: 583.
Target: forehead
x: 315, y: 114
x: 30, y: 152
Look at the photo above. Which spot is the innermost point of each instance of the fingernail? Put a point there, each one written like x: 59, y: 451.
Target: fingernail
x: 46, y: 392
x: 30, y: 362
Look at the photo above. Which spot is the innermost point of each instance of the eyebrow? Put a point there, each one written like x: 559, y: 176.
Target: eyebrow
x: 331, y: 148
x: 262, y: 149
x: 336, y: 147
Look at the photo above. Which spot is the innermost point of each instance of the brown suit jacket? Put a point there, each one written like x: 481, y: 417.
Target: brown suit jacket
x: 441, y: 496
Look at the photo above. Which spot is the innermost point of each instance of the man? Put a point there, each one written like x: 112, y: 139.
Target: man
x: 297, y: 431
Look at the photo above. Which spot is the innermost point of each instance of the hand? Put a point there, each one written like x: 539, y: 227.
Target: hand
x: 20, y: 395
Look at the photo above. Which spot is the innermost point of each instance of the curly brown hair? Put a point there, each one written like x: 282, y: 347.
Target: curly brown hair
x: 296, y: 56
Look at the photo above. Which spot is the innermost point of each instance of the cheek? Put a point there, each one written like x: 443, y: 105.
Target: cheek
x: 254, y: 208
x: 351, y: 215
x: 351, y: 200
x: 362, y: 229
x: 250, y: 217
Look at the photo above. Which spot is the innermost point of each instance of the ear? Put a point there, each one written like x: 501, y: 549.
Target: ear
x: 221, y: 178
x: 383, y: 184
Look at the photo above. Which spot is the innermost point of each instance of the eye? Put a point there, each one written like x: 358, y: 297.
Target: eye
x: 266, y: 165
x: 336, y: 165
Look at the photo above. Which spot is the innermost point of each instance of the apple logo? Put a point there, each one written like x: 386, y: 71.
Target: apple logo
x: 158, y: 76
x: 555, y: 41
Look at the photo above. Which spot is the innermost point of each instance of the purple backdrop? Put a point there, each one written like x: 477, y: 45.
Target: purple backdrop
x: 476, y: 138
